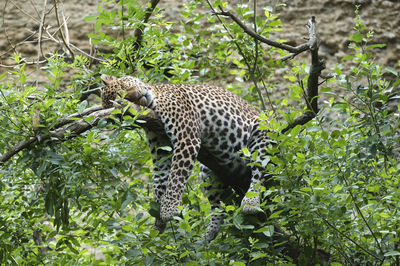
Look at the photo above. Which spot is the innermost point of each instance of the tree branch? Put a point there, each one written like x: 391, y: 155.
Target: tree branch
x: 63, y: 38
x: 295, y: 50
x: 138, y: 34
x: 69, y: 128
x: 317, y: 65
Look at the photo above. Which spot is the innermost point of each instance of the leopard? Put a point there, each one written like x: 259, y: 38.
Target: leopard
x: 194, y: 117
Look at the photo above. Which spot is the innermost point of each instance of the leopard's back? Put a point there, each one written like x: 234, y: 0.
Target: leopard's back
x: 226, y: 120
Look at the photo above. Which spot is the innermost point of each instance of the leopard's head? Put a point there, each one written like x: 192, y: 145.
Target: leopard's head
x: 110, y: 90
x: 136, y: 90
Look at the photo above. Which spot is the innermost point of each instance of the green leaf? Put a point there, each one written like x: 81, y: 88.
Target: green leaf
x: 275, y: 214
x: 154, y: 233
x: 237, y: 263
x: 257, y: 255
x: 155, y: 209
x: 165, y: 148
x: 376, y: 46
x: 82, y: 106
x: 229, y: 208
x: 267, y: 230
x: 246, y: 151
x: 392, y: 253
x: 116, y: 111
x: 89, y: 18
x: 392, y: 70
x: 337, y: 188
x: 313, y: 129
x: 356, y: 37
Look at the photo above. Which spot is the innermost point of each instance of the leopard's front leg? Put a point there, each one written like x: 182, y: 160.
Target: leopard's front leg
x: 185, y: 154
x: 182, y: 126
x: 161, y: 169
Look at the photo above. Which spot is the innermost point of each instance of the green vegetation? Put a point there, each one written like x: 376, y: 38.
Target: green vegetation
x: 86, y: 200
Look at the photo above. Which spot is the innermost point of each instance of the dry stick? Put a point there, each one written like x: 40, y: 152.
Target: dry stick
x: 61, y: 32
x: 13, y: 47
x: 312, y: 83
x: 24, y: 63
x: 51, y: 37
x: 315, y: 70
x: 34, y: 7
x: 40, y: 41
x: 23, y: 11
x: 66, y: 31
x: 24, y: 41
x: 241, y: 53
x: 298, y: 49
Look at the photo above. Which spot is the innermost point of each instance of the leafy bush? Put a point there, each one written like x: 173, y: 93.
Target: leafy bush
x: 88, y: 200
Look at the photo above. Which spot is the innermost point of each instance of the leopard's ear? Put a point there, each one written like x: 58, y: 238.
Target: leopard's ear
x: 107, y: 79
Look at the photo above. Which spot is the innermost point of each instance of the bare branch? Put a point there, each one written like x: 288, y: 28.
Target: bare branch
x: 61, y: 32
x: 51, y: 37
x: 69, y: 127
x: 39, y: 49
x: 252, y: 33
x: 311, y: 94
x: 251, y: 70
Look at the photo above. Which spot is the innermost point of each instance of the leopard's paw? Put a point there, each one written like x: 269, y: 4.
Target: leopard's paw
x: 251, y: 205
x: 159, y: 225
x: 213, y: 226
x: 169, y: 209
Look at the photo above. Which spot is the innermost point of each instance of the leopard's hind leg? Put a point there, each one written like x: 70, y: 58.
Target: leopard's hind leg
x: 214, y: 192
x: 257, y: 144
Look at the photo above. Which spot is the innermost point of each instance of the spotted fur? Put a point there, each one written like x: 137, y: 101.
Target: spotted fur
x: 194, y: 116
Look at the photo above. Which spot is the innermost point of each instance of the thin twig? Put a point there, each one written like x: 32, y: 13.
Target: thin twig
x: 51, y: 37
x: 240, y: 52
x: 61, y: 32
x: 34, y: 7
x: 66, y: 31
x: 86, y: 54
x: 13, y: 47
x: 289, y: 48
x: 24, y: 63
x: 24, y: 41
x: 40, y: 41
x: 348, y: 238
x: 256, y: 59
x: 24, y: 12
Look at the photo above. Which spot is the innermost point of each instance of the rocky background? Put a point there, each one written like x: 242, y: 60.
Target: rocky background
x: 20, y: 20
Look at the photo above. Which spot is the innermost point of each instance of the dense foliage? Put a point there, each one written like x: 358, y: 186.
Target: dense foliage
x: 88, y: 200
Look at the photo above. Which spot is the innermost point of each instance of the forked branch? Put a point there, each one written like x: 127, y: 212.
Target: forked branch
x: 317, y: 65
x: 311, y: 93
x: 69, y: 128
x: 292, y: 49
